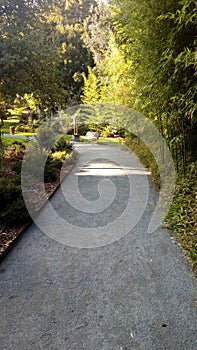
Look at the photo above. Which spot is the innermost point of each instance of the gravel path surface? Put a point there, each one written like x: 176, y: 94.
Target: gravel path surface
x: 122, y: 289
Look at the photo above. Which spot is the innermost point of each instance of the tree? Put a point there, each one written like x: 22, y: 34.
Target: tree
x: 28, y: 59
x: 76, y: 57
x: 109, y: 81
x: 42, y: 51
x: 91, y: 92
x: 151, y: 66
x: 159, y: 44
x: 97, y: 31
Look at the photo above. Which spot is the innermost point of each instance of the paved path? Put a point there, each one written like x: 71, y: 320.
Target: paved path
x: 136, y: 293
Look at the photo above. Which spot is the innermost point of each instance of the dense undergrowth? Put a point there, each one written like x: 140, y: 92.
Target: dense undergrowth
x: 182, y: 216
x: 145, y: 156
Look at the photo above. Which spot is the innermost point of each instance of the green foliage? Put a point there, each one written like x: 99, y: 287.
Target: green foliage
x: 92, y: 88
x: 42, y: 53
x: 73, y: 19
x: 56, y: 159
x: 29, y: 56
x: 159, y: 42
x: 110, y: 81
x: 43, y: 159
x: 24, y: 107
x: 112, y: 131
x: 38, y: 168
x: 17, y: 167
x: 9, y: 141
x: 13, y: 211
x: 60, y: 152
x: 26, y: 128
x: 83, y: 129
x: 145, y: 156
x: 182, y: 217
x: 59, y: 156
x: 63, y: 145
x: 15, y: 151
x: 6, y: 125
x: 50, y: 173
x: 97, y: 35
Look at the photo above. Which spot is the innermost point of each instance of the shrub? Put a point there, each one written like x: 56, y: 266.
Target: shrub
x: 9, y: 191
x: 182, y: 216
x: 13, y: 211
x: 16, y: 213
x: 17, y: 167
x: 145, y: 156
x: 15, y: 151
x: 26, y: 128
x: 111, y: 131
x: 34, y: 166
x: 63, y: 145
x: 20, y: 128
x: 50, y: 173
x: 56, y: 159
x: 83, y: 129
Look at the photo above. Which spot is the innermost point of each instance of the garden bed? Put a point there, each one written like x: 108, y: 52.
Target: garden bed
x: 14, y: 216
x: 9, y: 234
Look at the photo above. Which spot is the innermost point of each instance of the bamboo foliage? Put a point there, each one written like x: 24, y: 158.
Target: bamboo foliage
x: 155, y: 43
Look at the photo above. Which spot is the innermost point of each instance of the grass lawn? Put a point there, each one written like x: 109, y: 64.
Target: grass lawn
x: 109, y: 140
x: 25, y: 133
x: 9, y: 140
x: 103, y: 140
x: 69, y: 137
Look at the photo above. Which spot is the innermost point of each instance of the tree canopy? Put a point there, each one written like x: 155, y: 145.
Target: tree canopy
x: 151, y: 66
x: 41, y: 49
x: 139, y: 53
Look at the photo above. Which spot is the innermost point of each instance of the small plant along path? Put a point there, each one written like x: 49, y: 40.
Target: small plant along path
x: 137, y: 292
